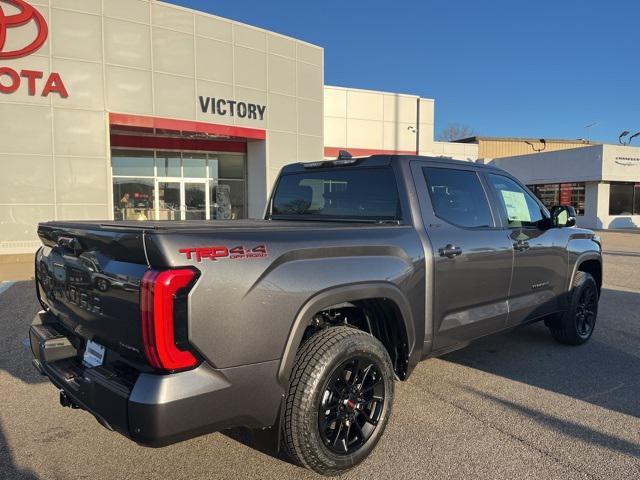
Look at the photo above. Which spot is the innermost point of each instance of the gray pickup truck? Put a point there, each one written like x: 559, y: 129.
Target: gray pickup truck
x: 304, y: 320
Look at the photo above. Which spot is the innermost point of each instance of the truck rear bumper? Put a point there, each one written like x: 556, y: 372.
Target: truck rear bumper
x: 158, y: 410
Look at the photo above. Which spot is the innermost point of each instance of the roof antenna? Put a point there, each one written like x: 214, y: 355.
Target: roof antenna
x: 344, y: 155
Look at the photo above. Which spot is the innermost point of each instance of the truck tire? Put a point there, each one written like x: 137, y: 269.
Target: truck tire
x: 339, y: 400
x: 576, y: 325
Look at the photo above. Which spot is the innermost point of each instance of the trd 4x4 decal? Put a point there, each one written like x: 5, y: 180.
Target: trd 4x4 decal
x: 218, y: 252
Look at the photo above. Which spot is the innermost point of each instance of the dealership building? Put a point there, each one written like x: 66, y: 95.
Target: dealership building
x: 602, y: 182
x: 138, y: 110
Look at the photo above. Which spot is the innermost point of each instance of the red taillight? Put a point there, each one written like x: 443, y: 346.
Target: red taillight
x: 157, y: 308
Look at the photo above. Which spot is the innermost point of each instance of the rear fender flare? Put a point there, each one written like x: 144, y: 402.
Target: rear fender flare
x: 334, y: 296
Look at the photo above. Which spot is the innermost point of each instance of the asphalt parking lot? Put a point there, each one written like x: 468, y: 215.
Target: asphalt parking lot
x: 511, y: 406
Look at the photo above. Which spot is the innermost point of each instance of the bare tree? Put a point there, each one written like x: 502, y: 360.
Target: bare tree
x: 455, y: 131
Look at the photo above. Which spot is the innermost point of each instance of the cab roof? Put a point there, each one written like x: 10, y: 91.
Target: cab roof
x: 377, y: 161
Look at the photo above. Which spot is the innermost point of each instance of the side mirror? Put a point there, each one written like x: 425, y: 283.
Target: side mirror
x: 563, y: 216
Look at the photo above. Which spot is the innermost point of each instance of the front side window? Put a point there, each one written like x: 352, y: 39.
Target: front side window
x: 368, y: 194
x: 457, y: 196
x: 521, y: 208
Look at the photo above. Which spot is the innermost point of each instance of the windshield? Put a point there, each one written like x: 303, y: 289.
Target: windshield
x: 359, y: 194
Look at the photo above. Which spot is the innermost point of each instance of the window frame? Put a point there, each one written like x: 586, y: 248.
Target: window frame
x: 483, y: 185
x: 504, y: 215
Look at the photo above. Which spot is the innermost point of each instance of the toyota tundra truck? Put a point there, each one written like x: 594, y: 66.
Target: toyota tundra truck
x: 303, y: 321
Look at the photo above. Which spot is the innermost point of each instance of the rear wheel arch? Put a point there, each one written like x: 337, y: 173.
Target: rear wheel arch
x: 384, y: 297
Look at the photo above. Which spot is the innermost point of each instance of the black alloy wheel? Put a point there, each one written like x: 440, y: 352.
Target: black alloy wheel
x: 351, y: 405
x: 586, y: 310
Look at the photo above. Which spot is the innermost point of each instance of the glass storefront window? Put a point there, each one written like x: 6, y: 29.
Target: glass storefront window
x: 230, y: 200
x: 551, y: 194
x: 194, y: 165
x: 132, y: 163
x: 133, y: 199
x: 624, y: 199
x: 231, y: 166
x: 187, y: 185
x: 213, y: 168
x: 168, y: 164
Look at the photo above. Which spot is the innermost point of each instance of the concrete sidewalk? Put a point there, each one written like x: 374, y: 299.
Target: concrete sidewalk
x: 16, y: 267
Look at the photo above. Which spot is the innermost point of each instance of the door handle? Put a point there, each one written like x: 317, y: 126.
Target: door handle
x: 521, y: 245
x: 450, y: 251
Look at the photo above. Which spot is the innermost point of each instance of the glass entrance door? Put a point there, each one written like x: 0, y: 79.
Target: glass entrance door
x: 196, y: 201
x: 178, y: 199
x: 168, y: 201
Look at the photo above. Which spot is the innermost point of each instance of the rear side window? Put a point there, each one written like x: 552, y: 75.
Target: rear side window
x: 369, y: 194
x: 521, y: 208
x: 457, y: 196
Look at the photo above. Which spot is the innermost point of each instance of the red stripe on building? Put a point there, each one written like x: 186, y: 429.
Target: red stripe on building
x: 364, y: 152
x: 139, y: 121
x: 172, y: 143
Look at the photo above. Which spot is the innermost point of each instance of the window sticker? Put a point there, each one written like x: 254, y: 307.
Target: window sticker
x: 516, y: 204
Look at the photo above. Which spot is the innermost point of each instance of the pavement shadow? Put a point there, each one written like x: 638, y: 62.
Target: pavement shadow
x: 18, y: 306
x: 565, y: 427
x: 8, y: 468
x: 604, y: 372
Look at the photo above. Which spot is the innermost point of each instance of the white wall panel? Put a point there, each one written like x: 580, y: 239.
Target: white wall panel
x: 129, y: 90
x: 250, y: 68
x: 283, y: 114
x: 25, y: 129
x: 26, y: 177
x: 173, y: 52
x: 281, y: 45
x: 310, y: 117
x: 127, y: 43
x: 76, y: 35
x: 79, y: 132
x: 249, y: 37
x: 310, y: 81
x: 282, y: 75
x: 175, y: 97
x: 86, y: 6
x: 135, y: 10
x: 212, y: 27
x: 80, y: 180
x: 335, y: 131
x: 364, y: 134
x: 214, y: 60
x: 171, y: 17
x: 365, y: 105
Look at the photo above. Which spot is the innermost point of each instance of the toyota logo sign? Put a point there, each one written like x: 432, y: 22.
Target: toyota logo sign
x: 11, y: 79
x: 26, y: 15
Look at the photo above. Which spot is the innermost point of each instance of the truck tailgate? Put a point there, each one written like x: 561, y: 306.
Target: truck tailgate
x: 89, y: 278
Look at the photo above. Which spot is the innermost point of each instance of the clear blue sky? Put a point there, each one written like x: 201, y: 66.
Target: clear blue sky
x: 543, y: 68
